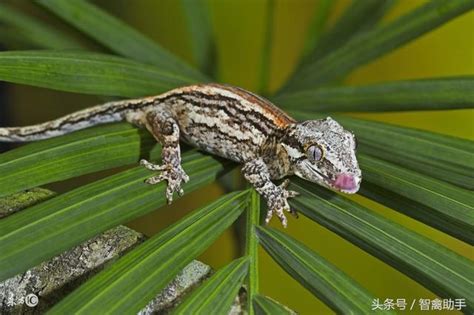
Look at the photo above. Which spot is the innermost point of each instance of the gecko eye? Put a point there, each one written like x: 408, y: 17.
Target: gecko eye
x: 314, y: 153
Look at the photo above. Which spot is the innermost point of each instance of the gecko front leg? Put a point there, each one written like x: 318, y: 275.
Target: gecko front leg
x: 166, y: 130
x: 256, y: 172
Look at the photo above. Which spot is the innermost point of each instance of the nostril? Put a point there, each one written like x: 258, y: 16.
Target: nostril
x: 345, y: 181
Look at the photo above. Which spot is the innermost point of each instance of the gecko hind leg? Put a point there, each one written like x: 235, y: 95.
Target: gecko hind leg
x: 166, y: 130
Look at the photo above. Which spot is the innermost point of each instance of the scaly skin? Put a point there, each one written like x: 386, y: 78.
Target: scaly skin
x: 232, y: 123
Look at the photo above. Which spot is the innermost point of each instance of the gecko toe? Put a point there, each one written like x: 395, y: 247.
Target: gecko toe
x: 292, y: 193
x: 285, y: 183
x: 150, y: 166
x: 154, y: 180
x: 282, y: 217
x: 185, y: 178
x: 269, y: 216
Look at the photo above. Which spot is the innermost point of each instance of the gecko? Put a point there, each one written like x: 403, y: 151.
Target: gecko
x: 232, y: 123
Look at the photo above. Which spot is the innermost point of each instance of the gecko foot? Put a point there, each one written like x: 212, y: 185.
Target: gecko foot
x: 174, y: 175
x: 278, y: 203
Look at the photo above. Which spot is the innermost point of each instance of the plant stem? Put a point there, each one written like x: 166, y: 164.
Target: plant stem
x: 251, y: 247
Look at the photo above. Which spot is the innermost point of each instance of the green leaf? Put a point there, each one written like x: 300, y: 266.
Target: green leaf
x: 319, y: 21
x: 87, y: 73
x: 49, y: 228
x: 266, y: 306
x: 370, y: 45
x: 252, y: 220
x: 324, y: 280
x: 117, y: 36
x: 12, y: 39
x: 449, y: 224
x: 443, y: 157
x: 360, y: 15
x: 200, y: 30
x: 427, y: 94
x: 72, y: 155
x: 436, y: 267
x: 453, y: 204
x: 135, y: 279
x: 265, y: 70
x: 34, y: 31
x: 215, y: 296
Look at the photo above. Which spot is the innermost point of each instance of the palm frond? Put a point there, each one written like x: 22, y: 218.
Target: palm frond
x: 200, y: 30
x: 113, y: 33
x: 433, y: 265
x: 87, y: 73
x: 360, y: 15
x: 216, y: 295
x: 266, y: 306
x: 26, y: 238
x: 375, y: 43
x: 325, y: 281
x: 33, y: 31
x: 424, y: 175
x: 77, y: 154
x: 428, y: 94
x: 142, y: 273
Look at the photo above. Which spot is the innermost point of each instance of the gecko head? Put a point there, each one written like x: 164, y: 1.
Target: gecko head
x: 322, y: 151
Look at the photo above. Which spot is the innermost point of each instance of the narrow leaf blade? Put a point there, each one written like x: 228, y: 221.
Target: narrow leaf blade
x: 318, y: 23
x: 372, y: 44
x: 215, y: 296
x: 434, y: 266
x: 265, y: 69
x: 266, y: 306
x: 324, y: 280
x: 200, y: 30
x: 360, y: 15
x: 129, y: 284
x: 448, y: 202
x: 26, y: 238
x: 72, y: 155
x: 87, y: 73
x: 426, y: 94
x: 447, y: 224
x: 113, y: 33
x: 443, y: 157
x: 35, y: 32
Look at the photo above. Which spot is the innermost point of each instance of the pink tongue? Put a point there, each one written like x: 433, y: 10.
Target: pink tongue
x: 345, y: 181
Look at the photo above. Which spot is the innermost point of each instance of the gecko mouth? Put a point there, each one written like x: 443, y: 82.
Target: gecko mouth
x: 343, y: 182
x: 346, y: 183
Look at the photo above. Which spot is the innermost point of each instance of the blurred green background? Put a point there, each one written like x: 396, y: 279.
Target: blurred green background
x: 239, y: 28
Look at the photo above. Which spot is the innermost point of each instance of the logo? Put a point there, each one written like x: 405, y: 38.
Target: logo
x: 31, y: 300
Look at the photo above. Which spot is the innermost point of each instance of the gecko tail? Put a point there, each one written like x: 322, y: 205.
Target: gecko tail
x: 38, y: 132
x: 5, y: 135
x: 102, y: 114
